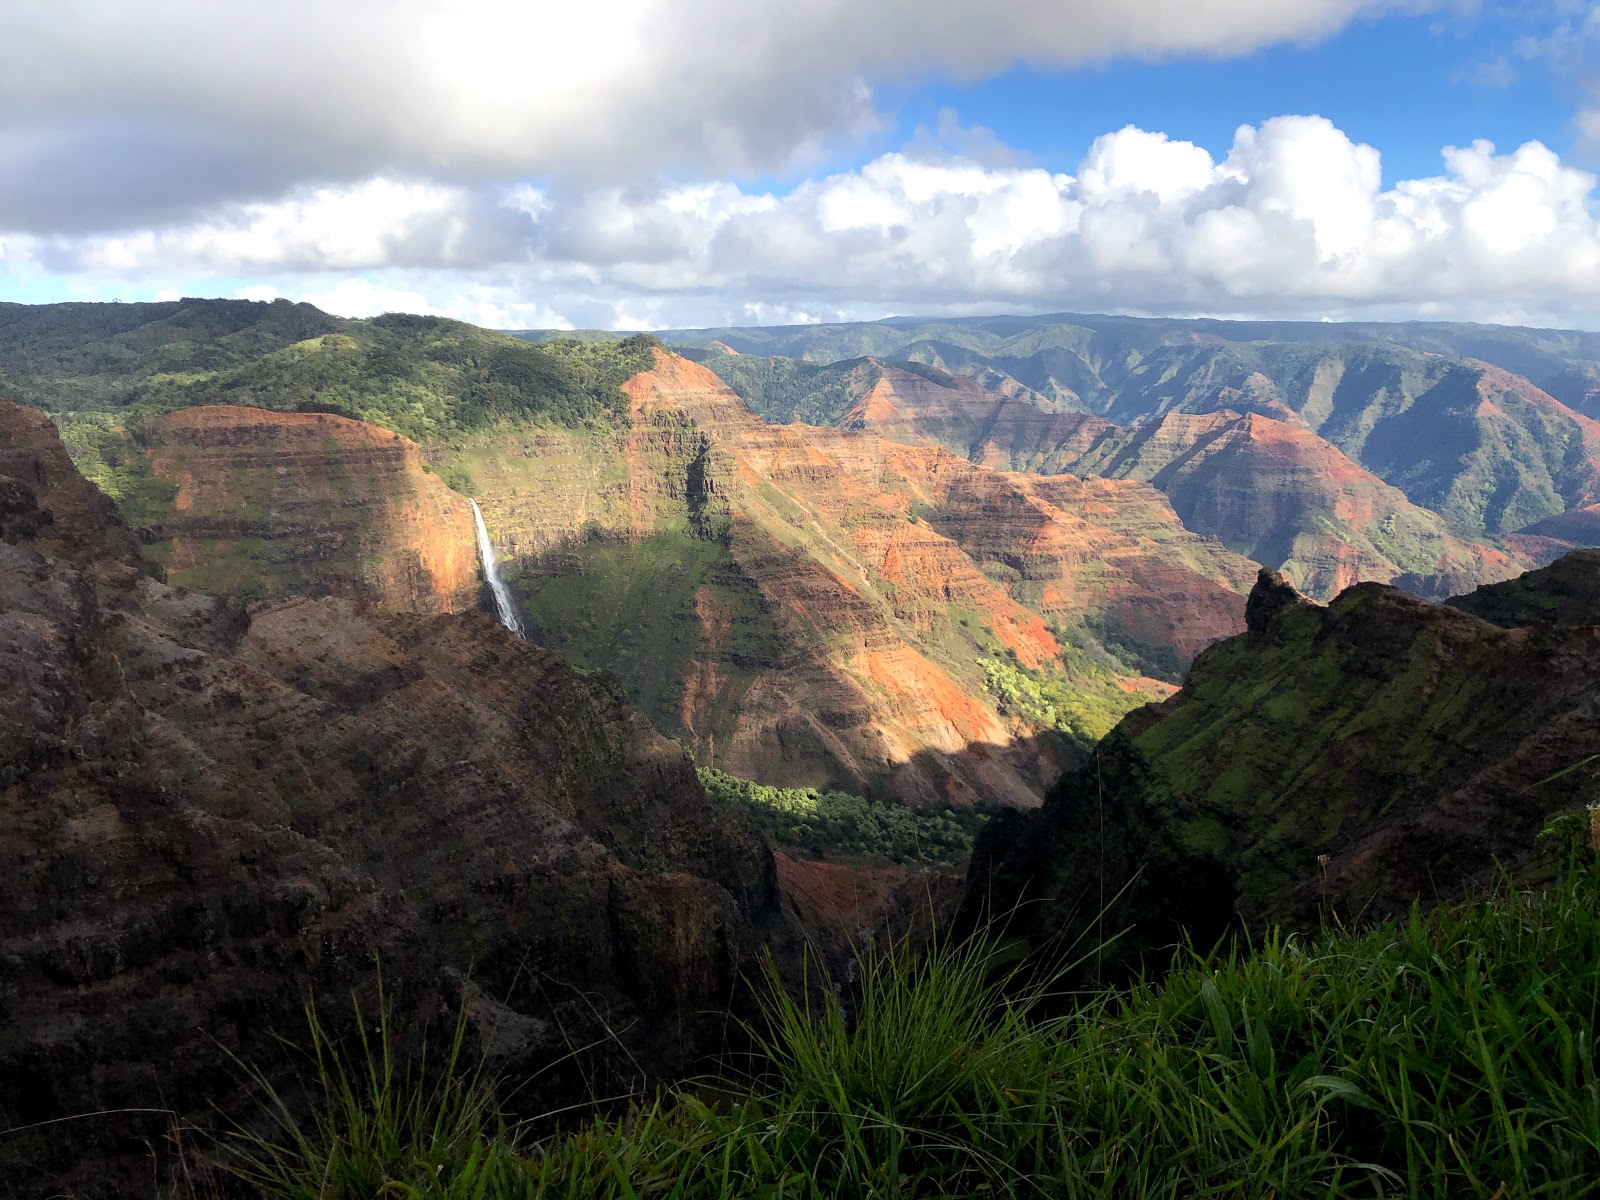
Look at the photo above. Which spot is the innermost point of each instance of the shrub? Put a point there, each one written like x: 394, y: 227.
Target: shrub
x: 829, y: 823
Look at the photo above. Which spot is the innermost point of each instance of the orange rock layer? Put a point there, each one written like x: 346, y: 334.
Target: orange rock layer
x: 864, y: 549
x: 271, y: 503
x: 1266, y: 486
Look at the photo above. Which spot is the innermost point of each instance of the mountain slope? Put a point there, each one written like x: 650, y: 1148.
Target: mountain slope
x: 206, y: 811
x: 1451, y: 414
x: 1564, y: 593
x: 1268, y: 488
x: 810, y: 606
x: 1348, y: 758
x: 424, y: 377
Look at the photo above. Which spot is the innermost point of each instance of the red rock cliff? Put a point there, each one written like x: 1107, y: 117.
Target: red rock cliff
x: 273, y: 504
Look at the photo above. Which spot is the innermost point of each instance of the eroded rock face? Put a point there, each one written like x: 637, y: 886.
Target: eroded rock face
x: 271, y: 504
x: 1348, y: 758
x: 804, y: 605
x: 208, y: 811
x: 865, y: 552
x: 1263, y: 483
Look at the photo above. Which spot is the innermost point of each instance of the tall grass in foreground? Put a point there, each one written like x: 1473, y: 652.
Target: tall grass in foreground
x: 379, y: 1128
x: 1448, y: 1055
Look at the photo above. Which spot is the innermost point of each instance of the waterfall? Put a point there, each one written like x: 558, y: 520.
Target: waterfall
x: 491, y: 573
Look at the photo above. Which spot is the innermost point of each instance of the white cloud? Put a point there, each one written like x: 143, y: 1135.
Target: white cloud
x: 115, y: 114
x: 1294, y: 220
x: 467, y: 301
x: 326, y: 228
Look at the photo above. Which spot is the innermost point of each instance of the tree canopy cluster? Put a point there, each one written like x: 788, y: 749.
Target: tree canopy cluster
x: 425, y: 377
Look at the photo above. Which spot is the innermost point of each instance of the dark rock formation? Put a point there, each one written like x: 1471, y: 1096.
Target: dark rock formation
x: 1340, y: 760
x: 1271, y: 596
x: 1567, y: 592
x: 208, y: 812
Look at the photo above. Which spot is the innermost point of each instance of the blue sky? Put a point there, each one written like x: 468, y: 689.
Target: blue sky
x: 1407, y: 85
x: 639, y: 163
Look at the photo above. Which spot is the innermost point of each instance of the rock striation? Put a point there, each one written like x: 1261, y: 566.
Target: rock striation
x: 269, y: 504
x: 866, y: 555
x: 208, y: 811
x: 808, y: 606
x: 1265, y: 484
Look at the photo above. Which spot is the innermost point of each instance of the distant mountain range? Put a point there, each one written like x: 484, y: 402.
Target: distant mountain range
x: 1485, y: 436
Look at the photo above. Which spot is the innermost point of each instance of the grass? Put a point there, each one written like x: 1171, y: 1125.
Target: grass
x: 1450, y: 1054
x: 378, y: 1129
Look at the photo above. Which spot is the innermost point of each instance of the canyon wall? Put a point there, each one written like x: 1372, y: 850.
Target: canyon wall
x: 810, y: 606
x: 1333, y: 762
x: 272, y: 504
x: 210, y: 811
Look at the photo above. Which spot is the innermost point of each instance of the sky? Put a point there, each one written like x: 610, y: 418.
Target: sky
x: 648, y: 164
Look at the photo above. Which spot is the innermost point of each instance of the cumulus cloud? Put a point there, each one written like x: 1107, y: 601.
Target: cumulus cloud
x: 116, y: 115
x: 368, y: 224
x: 1294, y: 219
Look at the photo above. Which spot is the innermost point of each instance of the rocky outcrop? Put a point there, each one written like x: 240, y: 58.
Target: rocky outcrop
x: 1341, y: 760
x: 208, y: 811
x: 268, y: 504
x: 46, y: 502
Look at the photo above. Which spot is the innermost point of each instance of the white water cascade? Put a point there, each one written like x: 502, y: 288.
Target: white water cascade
x: 491, y: 573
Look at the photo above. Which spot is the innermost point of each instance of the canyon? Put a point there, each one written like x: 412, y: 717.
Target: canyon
x: 214, y: 810
x: 809, y: 607
x: 1333, y: 453
x: 942, y: 589
x: 270, y: 741
x: 1266, y: 486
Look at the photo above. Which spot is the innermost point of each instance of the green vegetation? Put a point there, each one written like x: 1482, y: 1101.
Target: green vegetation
x: 781, y: 390
x: 379, y: 1127
x: 425, y: 377
x: 108, y: 449
x: 1447, y: 1055
x: 635, y: 609
x: 1085, y: 708
x: 829, y: 824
